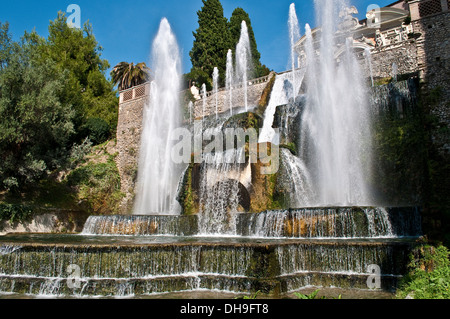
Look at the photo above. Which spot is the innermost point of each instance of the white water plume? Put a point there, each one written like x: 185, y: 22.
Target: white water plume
x: 216, y: 89
x: 336, y: 124
x: 229, y: 79
x: 243, y: 61
x: 294, y: 37
x: 157, y: 175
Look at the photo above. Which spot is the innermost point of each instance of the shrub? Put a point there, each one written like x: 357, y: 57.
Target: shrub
x: 15, y: 213
x: 97, y: 129
x: 98, y: 186
x: 429, y: 275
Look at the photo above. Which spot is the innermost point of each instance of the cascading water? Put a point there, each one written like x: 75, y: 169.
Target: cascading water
x: 243, y: 60
x: 216, y: 89
x: 336, y: 124
x: 157, y: 175
x: 394, y: 71
x: 229, y: 79
x: 280, y: 96
x: 294, y: 37
x: 219, y: 194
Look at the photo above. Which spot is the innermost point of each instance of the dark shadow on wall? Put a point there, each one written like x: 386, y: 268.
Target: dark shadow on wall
x: 434, y: 63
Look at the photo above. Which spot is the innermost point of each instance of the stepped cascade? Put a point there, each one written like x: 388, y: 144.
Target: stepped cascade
x: 218, y: 222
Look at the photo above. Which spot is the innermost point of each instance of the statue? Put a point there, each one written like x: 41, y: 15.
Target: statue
x: 195, y: 92
x: 349, y: 22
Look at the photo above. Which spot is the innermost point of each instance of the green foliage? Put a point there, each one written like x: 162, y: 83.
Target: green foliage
x: 15, y: 213
x: 211, y: 42
x: 97, y: 186
x: 214, y: 37
x: 291, y: 147
x: 36, y: 125
x: 126, y: 75
x: 429, y: 275
x: 78, y: 53
x: 313, y: 295
x: 97, y: 130
x: 400, y: 147
x: 53, y: 94
x: 251, y: 297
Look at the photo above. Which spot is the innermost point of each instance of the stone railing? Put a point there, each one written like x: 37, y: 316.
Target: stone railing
x: 134, y: 93
x: 392, y: 36
x: 240, y: 85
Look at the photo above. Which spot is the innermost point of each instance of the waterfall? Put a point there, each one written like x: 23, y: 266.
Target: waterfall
x: 219, y: 193
x: 294, y: 37
x: 300, y: 192
x: 229, y: 79
x: 158, y: 175
x: 279, y: 96
x: 216, y: 89
x: 394, y: 71
x: 243, y: 60
x: 336, y: 124
x: 335, y: 223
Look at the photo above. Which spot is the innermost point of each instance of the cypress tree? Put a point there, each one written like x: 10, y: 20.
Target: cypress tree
x: 234, y: 27
x: 211, y: 43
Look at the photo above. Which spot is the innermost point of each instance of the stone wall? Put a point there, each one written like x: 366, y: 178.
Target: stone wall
x: 254, y: 92
x: 129, y: 130
x: 48, y: 221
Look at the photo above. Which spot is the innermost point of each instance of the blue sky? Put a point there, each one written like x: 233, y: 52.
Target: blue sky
x: 125, y: 29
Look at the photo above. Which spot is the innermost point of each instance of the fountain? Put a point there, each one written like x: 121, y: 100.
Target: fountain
x: 191, y: 108
x: 215, y: 77
x: 229, y: 79
x: 294, y: 37
x: 318, y: 226
x: 158, y: 176
x: 243, y: 60
x: 336, y: 124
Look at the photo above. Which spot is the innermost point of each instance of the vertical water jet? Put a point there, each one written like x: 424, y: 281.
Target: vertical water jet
x: 229, y: 79
x: 294, y: 37
x: 243, y: 60
x: 216, y: 89
x: 157, y: 174
x: 336, y: 125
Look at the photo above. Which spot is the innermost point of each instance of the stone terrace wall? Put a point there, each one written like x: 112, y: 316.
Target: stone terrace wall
x: 254, y: 92
x: 129, y: 129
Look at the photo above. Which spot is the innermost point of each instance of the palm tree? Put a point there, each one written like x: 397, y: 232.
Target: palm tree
x: 128, y: 75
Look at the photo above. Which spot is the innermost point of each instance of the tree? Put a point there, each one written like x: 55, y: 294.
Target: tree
x: 234, y: 26
x: 127, y: 75
x: 211, y: 42
x: 77, y: 52
x: 36, y: 123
